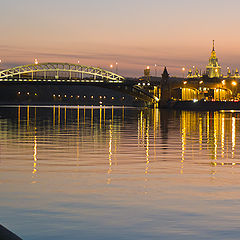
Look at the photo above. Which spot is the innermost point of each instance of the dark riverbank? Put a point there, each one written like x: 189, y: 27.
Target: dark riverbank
x: 5, y: 234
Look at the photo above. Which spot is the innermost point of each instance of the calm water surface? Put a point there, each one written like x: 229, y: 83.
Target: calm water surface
x: 119, y: 173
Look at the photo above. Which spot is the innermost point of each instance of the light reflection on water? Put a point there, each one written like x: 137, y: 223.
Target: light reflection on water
x: 119, y: 173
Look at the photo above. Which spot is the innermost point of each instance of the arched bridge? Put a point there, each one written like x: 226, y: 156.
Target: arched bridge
x: 67, y: 73
x: 52, y: 71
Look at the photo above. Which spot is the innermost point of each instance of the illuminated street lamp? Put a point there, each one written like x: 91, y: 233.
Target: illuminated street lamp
x: 111, y: 66
x: 234, y: 84
x: 147, y: 74
x: 155, y: 70
x: 35, y: 61
x: 185, y: 82
x: 116, y: 67
x: 183, y: 70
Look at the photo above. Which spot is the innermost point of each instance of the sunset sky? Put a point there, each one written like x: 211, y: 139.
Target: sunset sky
x: 135, y: 33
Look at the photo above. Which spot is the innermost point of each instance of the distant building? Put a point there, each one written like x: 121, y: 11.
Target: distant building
x: 213, y: 69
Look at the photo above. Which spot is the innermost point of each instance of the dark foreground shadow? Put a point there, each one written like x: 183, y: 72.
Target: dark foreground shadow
x: 5, y: 234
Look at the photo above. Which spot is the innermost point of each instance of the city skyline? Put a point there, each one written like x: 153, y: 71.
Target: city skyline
x: 134, y: 34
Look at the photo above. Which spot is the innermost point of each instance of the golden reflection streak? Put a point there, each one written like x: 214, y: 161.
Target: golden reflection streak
x: 112, y: 114
x: 144, y: 130
x: 59, y: 116
x: 147, y: 155
x: 34, y: 157
x: 54, y: 115
x: 233, y: 136
x: 100, y: 117
x: 92, y: 117
x: 208, y: 128
x: 215, y: 134
x: 223, y: 136
x: 183, y: 130
x: 110, y: 154
x: 147, y: 149
x: 154, y: 130
x: 200, y: 133
x: 78, y: 117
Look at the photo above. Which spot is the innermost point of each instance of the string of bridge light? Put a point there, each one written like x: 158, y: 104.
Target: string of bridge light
x: 72, y: 96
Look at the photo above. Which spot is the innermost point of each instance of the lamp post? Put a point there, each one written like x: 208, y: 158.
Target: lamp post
x: 183, y: 70
x: 111, y: 67
x: 35, y: 62
x: 116, y: 67
x: 147, y: 74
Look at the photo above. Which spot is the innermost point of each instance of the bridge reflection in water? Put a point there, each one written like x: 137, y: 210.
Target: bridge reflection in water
x: 185, y: 137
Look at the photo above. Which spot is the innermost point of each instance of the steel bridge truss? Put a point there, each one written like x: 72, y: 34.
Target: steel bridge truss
x: 55, y: 72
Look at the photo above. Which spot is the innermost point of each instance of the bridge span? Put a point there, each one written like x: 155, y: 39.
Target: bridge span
x: 75, y: 74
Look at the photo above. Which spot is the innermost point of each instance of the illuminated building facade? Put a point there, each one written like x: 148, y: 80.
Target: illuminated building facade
x: 213, y: 69
x: 209, y: 86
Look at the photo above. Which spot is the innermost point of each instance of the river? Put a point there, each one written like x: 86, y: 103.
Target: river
x: 119, y: 173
